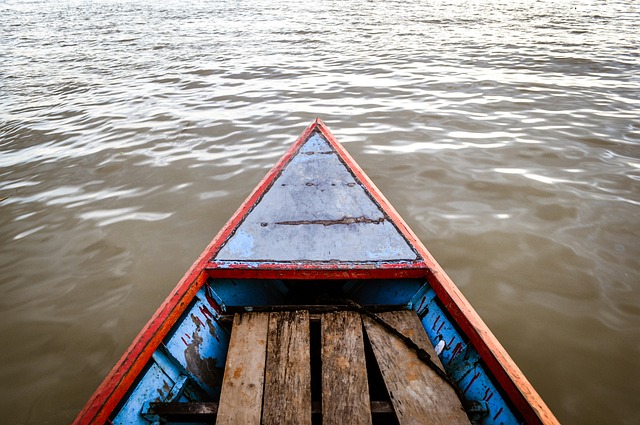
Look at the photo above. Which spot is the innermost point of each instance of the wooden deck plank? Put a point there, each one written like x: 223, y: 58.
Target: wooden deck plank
x: 287, y: 387
x: 242, y: 385
x: 345, y: 389
x: 417, y: 393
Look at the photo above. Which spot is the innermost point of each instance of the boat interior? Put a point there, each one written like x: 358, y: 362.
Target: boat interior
x: 313, y: 351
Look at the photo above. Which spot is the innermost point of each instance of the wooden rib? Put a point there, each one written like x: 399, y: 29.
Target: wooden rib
x: 242, y: 385
x: 287, y: 387
x: 345, y: 390
x: 417, y: 394
x: 202, y: 411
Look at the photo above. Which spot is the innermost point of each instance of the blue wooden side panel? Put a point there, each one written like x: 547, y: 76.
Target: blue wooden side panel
x: 461, y: 361
x: 196, y: 349
x: 154, y: 386
x: 392, y: 292
x: 199, y: 344
x: 247, y: 292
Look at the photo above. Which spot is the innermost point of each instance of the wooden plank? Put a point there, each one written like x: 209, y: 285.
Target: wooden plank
x: 345, y: 389
x: 242, y: 385
x: 313, y: 309
x: 287, y: 387
x: 417, y: 393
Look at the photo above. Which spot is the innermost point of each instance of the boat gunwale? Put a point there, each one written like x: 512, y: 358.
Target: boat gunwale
x: 123, y: 375
x: 119, y: 380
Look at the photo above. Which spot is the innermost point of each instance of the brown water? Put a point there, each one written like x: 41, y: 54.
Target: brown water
x: 506, y: 133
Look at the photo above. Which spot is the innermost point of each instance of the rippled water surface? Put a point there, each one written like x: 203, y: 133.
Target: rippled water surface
x: 505, y: 132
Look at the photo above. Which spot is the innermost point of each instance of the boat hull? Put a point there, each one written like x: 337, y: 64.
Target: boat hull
x: 180, y: 354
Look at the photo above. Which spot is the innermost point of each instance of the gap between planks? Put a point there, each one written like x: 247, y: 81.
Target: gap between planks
x: 268, y: 371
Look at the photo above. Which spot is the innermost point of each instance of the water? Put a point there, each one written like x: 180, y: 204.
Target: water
x: 506, y: 133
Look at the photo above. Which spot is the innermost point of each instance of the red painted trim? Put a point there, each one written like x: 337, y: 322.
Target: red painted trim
x: 108, y: 395
x: 124, y: 373
x: 317, y: 272
x: 118, y: 382
x: 373, y: 190
x: 260, y: 190
x: 510, y: 377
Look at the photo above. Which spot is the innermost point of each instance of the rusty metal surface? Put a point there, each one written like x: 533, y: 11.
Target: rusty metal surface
x: 316, y: 210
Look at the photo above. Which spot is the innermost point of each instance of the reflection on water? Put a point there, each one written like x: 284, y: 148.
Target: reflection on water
x: 505, y: 132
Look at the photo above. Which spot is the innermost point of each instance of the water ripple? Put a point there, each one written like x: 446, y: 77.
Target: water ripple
x: 505, y: 132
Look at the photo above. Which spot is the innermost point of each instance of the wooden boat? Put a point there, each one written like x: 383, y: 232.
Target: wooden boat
x: 315, y: 303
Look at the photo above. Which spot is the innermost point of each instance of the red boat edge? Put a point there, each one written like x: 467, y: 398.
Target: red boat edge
x: 124, y: 374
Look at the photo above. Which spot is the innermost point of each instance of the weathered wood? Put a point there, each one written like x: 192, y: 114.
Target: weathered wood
x: 185, y: 412
x: 376, y: 407
x: 417, y: 393
x: 287, y: 387
x: 204, y: 411
x: 315, y: 310
x: 242, y: 385
x: 312, y: 308
x: 345, y: 390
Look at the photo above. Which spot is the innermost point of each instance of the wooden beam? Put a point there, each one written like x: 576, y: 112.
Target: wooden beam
x: 185, y: 412
x: 345, y: 389
x: 287, y: 387
x: 205, y: 411
x: 417, y: 393
x: 242, y: 385
x: 313, y: 309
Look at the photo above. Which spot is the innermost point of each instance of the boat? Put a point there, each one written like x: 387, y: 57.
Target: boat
x: 316, y: 303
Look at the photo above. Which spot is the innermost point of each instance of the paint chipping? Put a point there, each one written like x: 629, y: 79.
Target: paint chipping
x: 196, y: 321
x: 205, y: 311
x: 203, y: 368
x: 318, y: 153
x: 212, y: 329
x: 343, y: 220
x: 164, y: 391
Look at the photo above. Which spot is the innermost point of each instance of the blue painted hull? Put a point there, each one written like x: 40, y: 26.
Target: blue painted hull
x: 200, y: 339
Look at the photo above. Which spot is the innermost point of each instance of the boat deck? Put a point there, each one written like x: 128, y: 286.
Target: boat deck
x: 336, y: 367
